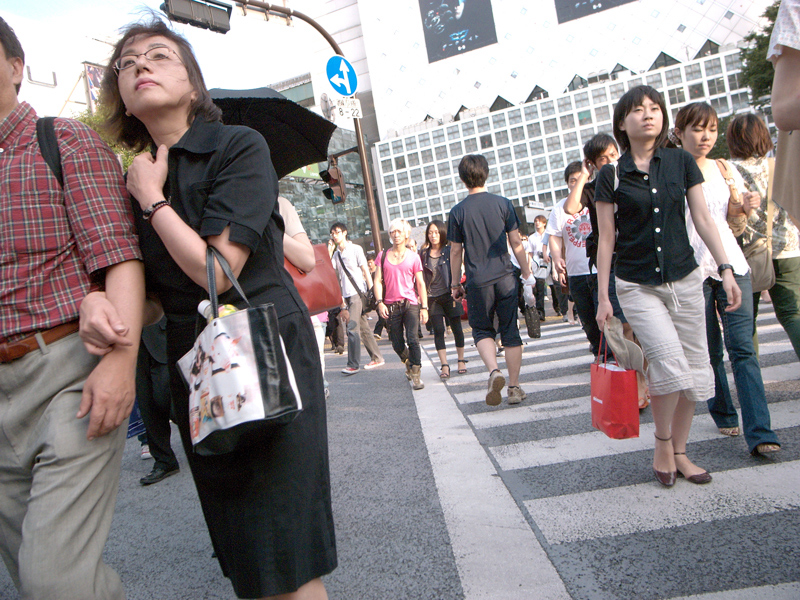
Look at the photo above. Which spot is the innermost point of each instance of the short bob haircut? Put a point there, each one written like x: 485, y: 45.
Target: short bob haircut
x: 474, y: 170
x: 128, y: 130
x: 748, y: 137
x: 598, y: 144
x: 441, y: 228
x: 11, y: 46
x: 696, y: 114
x: 630, y: 100
x: 572, y: 168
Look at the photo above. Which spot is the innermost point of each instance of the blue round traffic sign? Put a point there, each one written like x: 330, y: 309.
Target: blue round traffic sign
x: 342, y: 75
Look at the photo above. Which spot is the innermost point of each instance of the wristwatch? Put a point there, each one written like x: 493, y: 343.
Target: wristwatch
x: 423, y: 308
x: 724, y: 266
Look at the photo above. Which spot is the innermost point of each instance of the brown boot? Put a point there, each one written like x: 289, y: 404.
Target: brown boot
x: 416, y: 382
x: 408, y: 369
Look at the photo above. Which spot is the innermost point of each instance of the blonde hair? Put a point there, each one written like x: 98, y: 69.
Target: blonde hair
x: 401, y: 224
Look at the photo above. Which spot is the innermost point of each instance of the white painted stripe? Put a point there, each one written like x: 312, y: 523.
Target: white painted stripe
x: 529, y: 387
x: 757, y: 490
x: 585, y: 359
x: 594, y: 444
x: 580, y: 404
x: 496, y: 552
x: 782, y: 591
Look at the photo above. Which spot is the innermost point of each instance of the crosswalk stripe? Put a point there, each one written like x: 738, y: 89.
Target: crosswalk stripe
x: 782, y: 591
x: 643, y: 507
x: 595, y: 444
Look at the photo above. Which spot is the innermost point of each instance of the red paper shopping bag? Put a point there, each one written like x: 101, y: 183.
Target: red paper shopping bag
x: 615, y: 401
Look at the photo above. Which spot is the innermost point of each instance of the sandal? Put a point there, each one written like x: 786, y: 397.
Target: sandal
x: 729, y: 431
x: 444, y: 375
x: 765, y: 448
x: 461, y: 371
x: 644, y: 401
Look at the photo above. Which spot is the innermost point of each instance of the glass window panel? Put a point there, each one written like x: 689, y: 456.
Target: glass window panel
x: 546, y: 199
x: 444, y: 169
x: 696, y: 91
x: 526, y: 186
x: 581, y: 99
x: 449, y: 202
x: 486, y: 141
x: 394, y: 212
x: 517, y: 134
x: 733, y: 62
x: 520, y: 151
x: 386, y: 165
x: 397, y: 147
x: 510, y: 189
x: 455, y: 149
x: 606, y: 128
x: 537, y: 147
x: 599, y: 95
x: 504, y: 154
x: 716, y: 86
x: 416, y: 175
x: 531, y: 113
x: 570, y: 139
x: 534, y: 130
x: 447, y: 185
x: 507, y: 172
x: 402, y: 178
x: 405, y: 194
x: 391, y: 197
x: 523, y: 168
x: 713, y: 67
x: 468, y: 128
x: 427, y: 156
x: 438, y: 136
x: 471, y: 146
x: 483, y: 125
x: 616, y: 90
x: 490, y: 157
x: 543, y: 182
x: 384, y: 150
x: 501, y: 138
x: 432, y: 187
x: 634, y: 82
x: 567, y: 122
x: 602, y: 113
x: 585, y: 117
x: 408, y: 210
x: 388, y: 181
x: 733, y: 81
x: 452, y: 132
x: 674, y: 76
x: 514, y: 117
x: 564, y: 104
x: 586, y: 134
x: 424, y: 140
x: 720, y: 104
x: 494, y: 189
x: 540, y: 164
x: 430, y: 172
x: 548, y: 108
x: 499, y: 121
x: 676, y: 96
x: 550, y: 126
x: 655, y: 81
x: 400, y: 162
x: 556, y: 161
x: 413, y: 159
x: 419, y: 191
x: 492, y: 175
x: 441, y: 152
x: 411, y: 144
x: 740, y: 100
x: 573, y: 155
x: 692, y: 72
x: 421, y: 206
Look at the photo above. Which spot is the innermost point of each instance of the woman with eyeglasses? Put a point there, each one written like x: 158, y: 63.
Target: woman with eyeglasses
x: 267, y: 504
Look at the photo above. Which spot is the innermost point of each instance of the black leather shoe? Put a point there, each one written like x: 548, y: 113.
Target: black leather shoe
x: 158, y: 473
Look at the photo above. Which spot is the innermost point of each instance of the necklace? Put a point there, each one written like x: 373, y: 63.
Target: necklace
x: 399, y: 255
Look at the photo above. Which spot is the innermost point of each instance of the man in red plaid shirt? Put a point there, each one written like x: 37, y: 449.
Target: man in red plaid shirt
x: 61, y: 408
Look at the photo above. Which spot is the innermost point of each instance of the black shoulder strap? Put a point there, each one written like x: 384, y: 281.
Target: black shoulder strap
x: 48, y: 144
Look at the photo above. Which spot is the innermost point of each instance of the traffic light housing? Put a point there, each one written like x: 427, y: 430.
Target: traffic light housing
x: 335, y: 192
x: 206, y: 14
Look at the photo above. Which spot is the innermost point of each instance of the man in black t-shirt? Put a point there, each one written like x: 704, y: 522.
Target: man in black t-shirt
x: 480, y: 229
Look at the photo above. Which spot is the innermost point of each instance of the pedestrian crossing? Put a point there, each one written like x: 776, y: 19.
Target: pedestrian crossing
x: 609, y: 530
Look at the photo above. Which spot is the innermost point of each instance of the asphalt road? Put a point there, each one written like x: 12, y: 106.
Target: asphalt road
x: 437, y: 495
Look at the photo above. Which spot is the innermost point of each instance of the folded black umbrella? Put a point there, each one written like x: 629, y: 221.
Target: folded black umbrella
x: 295, y: 135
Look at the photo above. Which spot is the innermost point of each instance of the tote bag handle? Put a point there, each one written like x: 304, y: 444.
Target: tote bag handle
x: 211, y: 254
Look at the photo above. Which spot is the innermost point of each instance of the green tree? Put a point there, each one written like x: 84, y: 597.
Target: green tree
x: 757, y: 71
x: 93, y: 121
x: 720, y: 149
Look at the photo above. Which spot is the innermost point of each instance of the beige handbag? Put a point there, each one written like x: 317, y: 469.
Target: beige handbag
x: 737, y: 220
x: 759, y: 252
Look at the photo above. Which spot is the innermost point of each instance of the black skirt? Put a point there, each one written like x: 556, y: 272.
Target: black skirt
x: 267, y: 505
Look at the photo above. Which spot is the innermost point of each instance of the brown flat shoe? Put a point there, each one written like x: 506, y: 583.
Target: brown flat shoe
x: 700, y: 478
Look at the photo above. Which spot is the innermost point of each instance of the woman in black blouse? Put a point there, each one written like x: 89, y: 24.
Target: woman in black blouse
x: 435, y: 255
x: 267, y: 503
x: 658, y: 283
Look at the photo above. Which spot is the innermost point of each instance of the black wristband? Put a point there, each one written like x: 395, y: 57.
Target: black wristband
x: 149, y: 212
x: 724, y: 266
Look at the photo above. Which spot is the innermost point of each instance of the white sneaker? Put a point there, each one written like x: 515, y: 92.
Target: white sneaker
x: 146, y: 452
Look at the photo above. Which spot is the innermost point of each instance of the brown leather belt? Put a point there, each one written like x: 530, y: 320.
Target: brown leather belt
x: 11, y: 351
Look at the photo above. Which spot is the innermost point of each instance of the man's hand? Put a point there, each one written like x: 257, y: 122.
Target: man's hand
x: 108, y: 394
x: 383, y: 311
x: 423, y: 315
x: 604, y: 311
x: 100, y: 326
x: 344, y: 315
x: 458, y: 292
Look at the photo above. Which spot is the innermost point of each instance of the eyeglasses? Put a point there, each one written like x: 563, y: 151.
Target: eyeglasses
x: 154, y: 54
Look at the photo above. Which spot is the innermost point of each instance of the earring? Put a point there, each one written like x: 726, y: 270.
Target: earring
x: 127, y: 113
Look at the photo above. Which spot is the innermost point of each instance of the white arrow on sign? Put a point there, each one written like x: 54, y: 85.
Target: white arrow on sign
x: 344, y: 79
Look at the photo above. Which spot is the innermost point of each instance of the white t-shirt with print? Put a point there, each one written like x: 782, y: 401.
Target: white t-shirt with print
x: 573, y: 231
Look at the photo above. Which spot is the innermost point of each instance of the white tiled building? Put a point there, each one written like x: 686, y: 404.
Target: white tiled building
x: 528, y: 146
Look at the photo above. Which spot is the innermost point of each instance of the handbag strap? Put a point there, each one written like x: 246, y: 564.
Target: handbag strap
x: 350, y: 277
x: 211, y: 274
x: 727, y: 176
x: 770, y: 202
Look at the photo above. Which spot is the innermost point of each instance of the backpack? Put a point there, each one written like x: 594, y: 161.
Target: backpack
x: 48, y: 144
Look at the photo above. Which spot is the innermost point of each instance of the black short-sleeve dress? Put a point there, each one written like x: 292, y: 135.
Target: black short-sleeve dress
x: 267, y: 504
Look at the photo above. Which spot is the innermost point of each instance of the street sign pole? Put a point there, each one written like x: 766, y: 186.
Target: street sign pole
x: 362, y: 150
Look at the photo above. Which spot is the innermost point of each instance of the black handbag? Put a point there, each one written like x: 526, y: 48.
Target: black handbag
x: 368, y: 300
x: 239, y: 377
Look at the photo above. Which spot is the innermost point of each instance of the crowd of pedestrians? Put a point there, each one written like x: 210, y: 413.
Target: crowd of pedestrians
x: 651, y: 232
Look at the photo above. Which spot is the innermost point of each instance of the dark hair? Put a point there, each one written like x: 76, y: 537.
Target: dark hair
x: 572, y: 168
x: 338, y: 225
x: 631, y: 99
x: 474, y: 170
x: 128, y: 130
x: 747, y: 136
x: 598, y: 144
x: 696, y: 113
x: 11, y: 46
x: 442, y: 228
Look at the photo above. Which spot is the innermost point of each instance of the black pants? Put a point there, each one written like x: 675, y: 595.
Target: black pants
x: 402, y: 315
x: 442, y: 315
x: 153, y: 396
x: 538, y: 292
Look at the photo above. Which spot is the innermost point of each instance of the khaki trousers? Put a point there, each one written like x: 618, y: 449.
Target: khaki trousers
x: 57, y: 489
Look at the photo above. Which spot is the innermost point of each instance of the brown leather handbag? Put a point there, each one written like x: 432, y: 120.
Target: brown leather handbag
x: 318, y: 288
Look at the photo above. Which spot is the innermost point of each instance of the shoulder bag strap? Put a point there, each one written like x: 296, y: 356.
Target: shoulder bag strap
x: 346, y: 272
x: 48, y: 144
x: 770, y: 203
x: 722, y: 164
